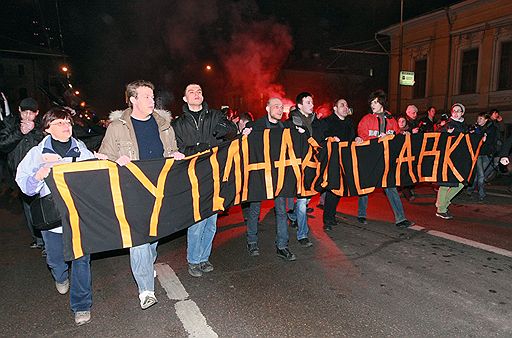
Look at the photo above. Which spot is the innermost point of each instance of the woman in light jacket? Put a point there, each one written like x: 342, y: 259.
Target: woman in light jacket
x: 59, y: 147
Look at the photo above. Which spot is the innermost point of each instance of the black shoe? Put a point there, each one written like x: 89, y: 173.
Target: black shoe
x: 405, y: 224
x: 305, y: 242
x: 253, y: 249
x: 309, y: 210
x: 327, y: 227
x: 362, y: 220
x: 195, y: 270
x: 286, y: 254
x: 293, y: 224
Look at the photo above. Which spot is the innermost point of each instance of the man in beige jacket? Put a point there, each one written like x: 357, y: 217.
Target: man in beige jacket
x: 141, y: 133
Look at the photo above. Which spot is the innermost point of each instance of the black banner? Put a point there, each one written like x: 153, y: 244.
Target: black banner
x: 106, y: 207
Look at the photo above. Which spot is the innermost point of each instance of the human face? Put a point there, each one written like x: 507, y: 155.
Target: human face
x: 194, y: 96
x: 401, y: 122
x: 306, y: 107
x: 241, y: 124
x: 28, y: 115
x: 144, y: 103
x: 60, y: 129
x: 411, y: 112
x: 275, y: 110
x: 457, y: 113
x: 481, y: 121
x: 341, y: 108
x: 432, y: 112
x: 376, y: 106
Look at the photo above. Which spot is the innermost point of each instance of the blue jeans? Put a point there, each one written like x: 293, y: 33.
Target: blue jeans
x: 299, y: 214
x: 479, y: 181
x: 394, y: 201
x: 281, y: 222
x: 200, y: 239
x: 142, y: 258
x: 80, y: 292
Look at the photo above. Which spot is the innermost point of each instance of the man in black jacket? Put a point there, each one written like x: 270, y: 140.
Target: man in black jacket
x: 270, y: 121
x: 340, y: 127
x: 16, y: 139
x: 198, y: 129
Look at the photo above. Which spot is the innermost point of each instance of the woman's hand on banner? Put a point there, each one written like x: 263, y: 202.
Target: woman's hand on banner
x: 42, y: 173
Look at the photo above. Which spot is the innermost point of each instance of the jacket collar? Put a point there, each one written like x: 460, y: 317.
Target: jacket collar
x: 188, y: 111
x: 73, y: 151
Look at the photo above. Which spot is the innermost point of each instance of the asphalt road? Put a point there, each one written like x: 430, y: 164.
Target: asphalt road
x: 356, y: 281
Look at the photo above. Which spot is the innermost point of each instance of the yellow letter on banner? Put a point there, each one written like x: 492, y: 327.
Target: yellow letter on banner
x: 433, y: 152
x: 282, y: 163
x: 157, y: 192
x: 405, y: 156
x: 117, y: 199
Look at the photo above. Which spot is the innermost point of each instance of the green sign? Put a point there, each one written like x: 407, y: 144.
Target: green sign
x: 406, y: 78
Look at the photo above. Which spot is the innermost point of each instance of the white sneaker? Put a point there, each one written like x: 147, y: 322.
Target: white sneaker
x: 62, y: 288
x: 147, y: 299
x: 82, y: 317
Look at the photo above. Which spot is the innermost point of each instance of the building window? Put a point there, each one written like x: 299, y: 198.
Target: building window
x: 420, y: 78
x: 469, y: 71
x: 21, y: 70
x: 505, y: 72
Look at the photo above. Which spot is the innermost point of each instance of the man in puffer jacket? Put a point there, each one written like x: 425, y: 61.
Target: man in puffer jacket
x: 141, y: 133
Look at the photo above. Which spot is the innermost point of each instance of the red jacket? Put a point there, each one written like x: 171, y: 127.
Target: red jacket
x: 368, y: 127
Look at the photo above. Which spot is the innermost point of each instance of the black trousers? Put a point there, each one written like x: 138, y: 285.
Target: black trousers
x: 330, y: 205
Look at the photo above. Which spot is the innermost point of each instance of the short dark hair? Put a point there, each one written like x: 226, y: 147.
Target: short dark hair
x: 485, y: 115
x: 56, y: 113
x: 301, y: 96
x: 246, y: 116
x: 381, y: 97
x: 431, y: 108
x: 131, y: 89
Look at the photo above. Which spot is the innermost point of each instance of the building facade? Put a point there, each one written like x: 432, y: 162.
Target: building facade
x: 462, y: 53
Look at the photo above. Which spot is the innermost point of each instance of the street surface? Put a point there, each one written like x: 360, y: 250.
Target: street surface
x: 358, y: 280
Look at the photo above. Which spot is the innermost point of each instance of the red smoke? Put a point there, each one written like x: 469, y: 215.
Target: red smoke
x: 253, y: 58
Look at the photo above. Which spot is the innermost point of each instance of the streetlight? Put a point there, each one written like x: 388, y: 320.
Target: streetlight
x: 66, y: 70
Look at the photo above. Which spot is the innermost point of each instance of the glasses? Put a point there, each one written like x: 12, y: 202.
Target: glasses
x: 61, y: 123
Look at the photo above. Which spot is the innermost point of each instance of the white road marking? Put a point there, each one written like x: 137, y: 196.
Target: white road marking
x: 187, y: 310
x: 193, y: 320
x: 465, y: 241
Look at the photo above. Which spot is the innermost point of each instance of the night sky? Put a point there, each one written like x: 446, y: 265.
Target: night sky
x: 111, y: 43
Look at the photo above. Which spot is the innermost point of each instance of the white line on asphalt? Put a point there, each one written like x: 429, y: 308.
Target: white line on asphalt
x: 187, y: 310
x: 465, y: 241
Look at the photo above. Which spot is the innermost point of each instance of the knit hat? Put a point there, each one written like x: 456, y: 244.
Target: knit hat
x: 29, y: 104
x: 461, y: 107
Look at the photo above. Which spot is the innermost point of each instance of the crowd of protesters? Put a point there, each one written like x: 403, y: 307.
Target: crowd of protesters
x: 32, y: 142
